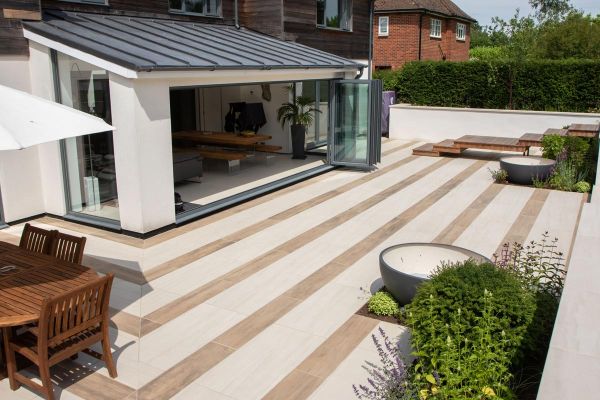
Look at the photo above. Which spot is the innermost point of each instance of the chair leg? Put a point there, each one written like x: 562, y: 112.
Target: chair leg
x: 45, y: 378
x: 11, y: 364
x: 107, y: 354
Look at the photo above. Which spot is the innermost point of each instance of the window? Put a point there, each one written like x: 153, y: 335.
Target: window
x: 436, y: 28
x: 89, y: 160
x: 335, y: 14
x: 384, y: 26
x: 461, y: 31
x: 210, y: 8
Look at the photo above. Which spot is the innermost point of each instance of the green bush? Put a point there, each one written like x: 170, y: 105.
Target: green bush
x: 567, y: 85
x: 582, y: 187
x: 472, y: 309
x: 552, y: 146
x: 382, y: 303
x: 488, y: 53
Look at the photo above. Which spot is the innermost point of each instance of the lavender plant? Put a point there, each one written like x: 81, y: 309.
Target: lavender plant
x: 389, y: 381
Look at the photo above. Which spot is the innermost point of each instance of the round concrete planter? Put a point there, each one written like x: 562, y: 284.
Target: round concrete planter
x: 522, y: 170
x: 405, y: 266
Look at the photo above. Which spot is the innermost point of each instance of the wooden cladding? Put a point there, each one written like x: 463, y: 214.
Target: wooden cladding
x: 21, y: 9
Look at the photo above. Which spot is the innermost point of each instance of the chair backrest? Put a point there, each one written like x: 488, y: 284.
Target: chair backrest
x: 68, y: 248
x: 74, y: 312
x: 36, y: 239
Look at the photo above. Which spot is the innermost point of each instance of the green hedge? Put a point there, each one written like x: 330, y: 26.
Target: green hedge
x: 571, y: 85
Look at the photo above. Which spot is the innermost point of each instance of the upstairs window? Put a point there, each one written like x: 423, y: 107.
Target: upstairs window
x: 436, y: 28
x: 384, y: 26
x: 461, y: 32
x: 336, y: 14
x: 211, y: 8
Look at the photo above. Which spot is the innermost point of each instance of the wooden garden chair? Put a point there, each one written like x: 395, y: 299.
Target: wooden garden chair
x: 67, y: 247
x: 36, y: 239
x: 69, y: 323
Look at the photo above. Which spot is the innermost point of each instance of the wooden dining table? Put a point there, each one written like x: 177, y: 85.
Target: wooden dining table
x: 220, y: 138
x: 27, y: 278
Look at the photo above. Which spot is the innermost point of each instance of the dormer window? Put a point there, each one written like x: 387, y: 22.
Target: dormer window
x: 334, y: 14
x: 210, y: 8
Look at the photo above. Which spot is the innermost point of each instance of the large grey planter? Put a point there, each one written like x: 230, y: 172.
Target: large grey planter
x: 405, y: 266
x: 522, y: 170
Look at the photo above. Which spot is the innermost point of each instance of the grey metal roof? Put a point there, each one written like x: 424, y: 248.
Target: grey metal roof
x: 145, y: 44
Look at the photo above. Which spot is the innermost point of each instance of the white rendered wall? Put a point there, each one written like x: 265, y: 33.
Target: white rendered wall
x: 20, y: 181
x: 438, y: 123
x: 42, y: 85
x: 143, y: 155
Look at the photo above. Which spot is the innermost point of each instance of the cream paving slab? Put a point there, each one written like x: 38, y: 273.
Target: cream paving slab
x: 220, y: 262
x: 21, y: 394
x: 261, y: 361
x: 491, y: 226
x: 558, y: 217
x: 351, y: 372
x: 172, y: 342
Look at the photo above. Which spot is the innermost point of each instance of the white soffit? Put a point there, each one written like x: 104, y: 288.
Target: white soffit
x: 80, y: 55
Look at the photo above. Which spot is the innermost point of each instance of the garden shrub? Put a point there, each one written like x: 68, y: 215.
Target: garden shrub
x: 582, y: 187
x: 565, y: 85
x: 382, y: 303
x: 468, y: 309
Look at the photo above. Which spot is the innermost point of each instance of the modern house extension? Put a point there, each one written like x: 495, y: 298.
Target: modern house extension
x: 180, y: 82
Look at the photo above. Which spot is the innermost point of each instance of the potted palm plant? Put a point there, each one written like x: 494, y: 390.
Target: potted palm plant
x: 300, y: 115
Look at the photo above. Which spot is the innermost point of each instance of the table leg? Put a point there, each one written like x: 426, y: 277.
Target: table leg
x: 2, y: 358
x: 11, y: 366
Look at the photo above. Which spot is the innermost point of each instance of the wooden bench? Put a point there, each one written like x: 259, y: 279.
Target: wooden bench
x: 233, y: 158
x: 267, y: 148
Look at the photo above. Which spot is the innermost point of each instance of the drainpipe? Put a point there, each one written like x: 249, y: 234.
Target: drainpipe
x: 371, y: 17
x: 420, y: 34
x: 236, y: 14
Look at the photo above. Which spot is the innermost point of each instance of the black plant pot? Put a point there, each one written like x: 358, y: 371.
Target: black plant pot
x: 298, y: 140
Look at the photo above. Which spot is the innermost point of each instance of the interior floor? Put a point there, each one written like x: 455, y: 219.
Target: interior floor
x: 217, y: 183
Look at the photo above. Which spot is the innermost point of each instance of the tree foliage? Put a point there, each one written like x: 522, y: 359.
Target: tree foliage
x: 555, y: 30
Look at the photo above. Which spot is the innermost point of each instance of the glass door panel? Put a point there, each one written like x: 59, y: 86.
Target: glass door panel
x: 356, y: 138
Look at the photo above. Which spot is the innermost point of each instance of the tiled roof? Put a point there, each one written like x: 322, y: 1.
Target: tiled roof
x: 444, y: 7
x: 145, y: 44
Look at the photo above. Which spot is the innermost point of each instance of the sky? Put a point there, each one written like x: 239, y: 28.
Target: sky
x: 483, y: 11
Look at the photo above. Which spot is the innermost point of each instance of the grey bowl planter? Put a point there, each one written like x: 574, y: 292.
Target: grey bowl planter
x: 522, y: 170
x: 405, y: 266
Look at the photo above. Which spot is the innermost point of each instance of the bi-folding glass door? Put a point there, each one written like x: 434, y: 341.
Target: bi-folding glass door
x: 355, y: 134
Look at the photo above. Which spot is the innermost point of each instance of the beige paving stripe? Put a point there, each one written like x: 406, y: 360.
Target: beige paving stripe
x: 210, y: 289
x: 466, y: 218
x: 170, y: 383
x: 308, y: 376
x: 584, y: 199
x: 524, y: 223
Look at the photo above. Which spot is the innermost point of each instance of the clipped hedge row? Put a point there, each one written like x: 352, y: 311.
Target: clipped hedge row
x: 571, y: 85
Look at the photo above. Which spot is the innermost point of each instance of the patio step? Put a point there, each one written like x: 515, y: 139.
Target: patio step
x: 425, y: 150
x: 531, y: 139
x: 584, y: 130
x: 447, y: 146
x: 554, y: 131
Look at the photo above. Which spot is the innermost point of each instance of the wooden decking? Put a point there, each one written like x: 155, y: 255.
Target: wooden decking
x: 520, y: 145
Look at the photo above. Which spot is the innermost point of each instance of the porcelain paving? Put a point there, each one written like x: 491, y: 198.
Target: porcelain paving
x: 250, y: 372
x: 485, y: 234
x: 245, y: 298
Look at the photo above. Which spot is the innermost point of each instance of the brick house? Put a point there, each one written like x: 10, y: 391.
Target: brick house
x: 411, y: 30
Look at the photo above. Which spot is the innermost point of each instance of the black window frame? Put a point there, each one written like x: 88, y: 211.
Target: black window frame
x: 345, y: 7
